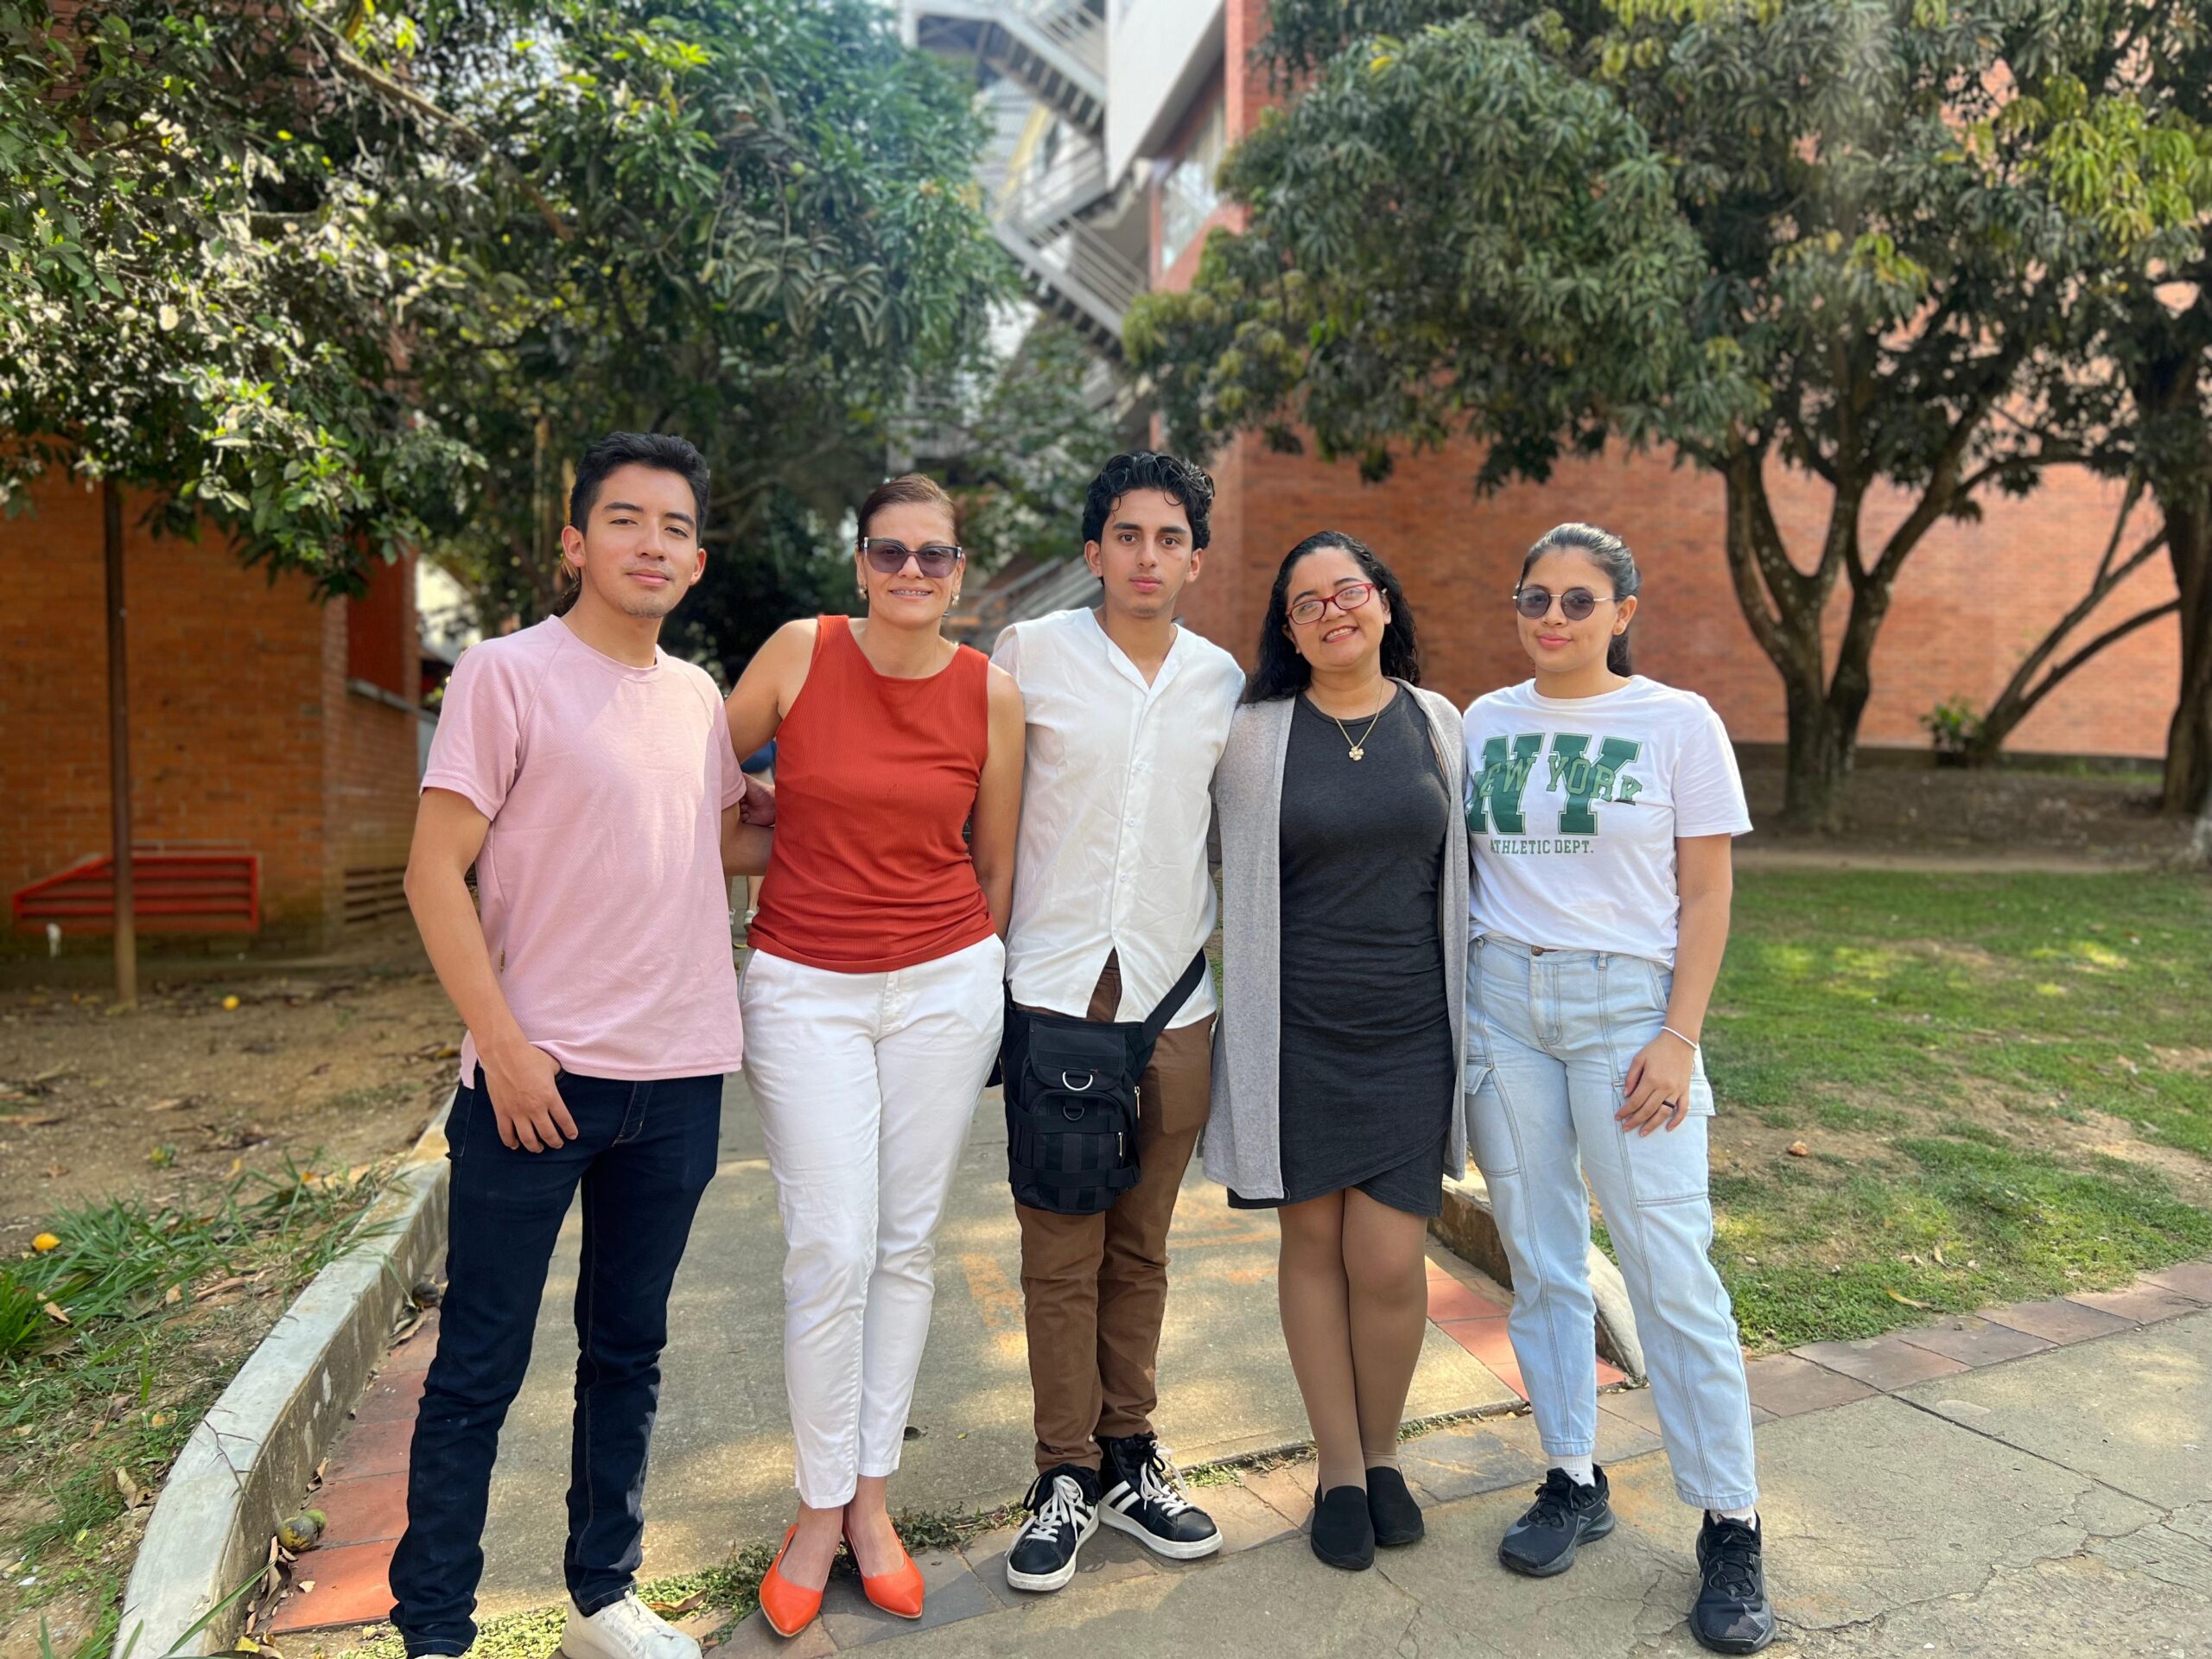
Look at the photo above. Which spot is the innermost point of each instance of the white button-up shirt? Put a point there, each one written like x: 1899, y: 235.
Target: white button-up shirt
x: 1115, y: 804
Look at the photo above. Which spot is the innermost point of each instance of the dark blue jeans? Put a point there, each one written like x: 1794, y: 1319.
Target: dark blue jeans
x: 644, y: 1153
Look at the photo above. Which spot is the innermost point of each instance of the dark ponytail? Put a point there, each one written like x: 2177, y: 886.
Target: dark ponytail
x: 1610, y: 555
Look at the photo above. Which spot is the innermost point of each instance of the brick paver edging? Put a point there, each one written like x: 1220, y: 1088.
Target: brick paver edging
x: 257, y: 1447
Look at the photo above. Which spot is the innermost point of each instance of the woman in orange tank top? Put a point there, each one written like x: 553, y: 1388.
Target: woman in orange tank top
x: 873, y: 997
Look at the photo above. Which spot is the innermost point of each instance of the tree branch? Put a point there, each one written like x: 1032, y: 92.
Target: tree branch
x: 343, y: 55
x: 2120, y: 631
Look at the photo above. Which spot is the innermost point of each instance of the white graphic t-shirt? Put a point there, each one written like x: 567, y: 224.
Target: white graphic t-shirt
x: 1574, y: 806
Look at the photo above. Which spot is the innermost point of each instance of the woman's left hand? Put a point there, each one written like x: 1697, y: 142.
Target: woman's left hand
x: 1658, y: 1094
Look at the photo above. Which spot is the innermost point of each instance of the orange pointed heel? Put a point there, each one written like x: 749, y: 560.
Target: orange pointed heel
x: 787, y: 1608
x: 900, y: 1591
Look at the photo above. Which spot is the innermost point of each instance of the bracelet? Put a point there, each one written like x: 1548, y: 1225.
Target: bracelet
x: 1692, y: 1041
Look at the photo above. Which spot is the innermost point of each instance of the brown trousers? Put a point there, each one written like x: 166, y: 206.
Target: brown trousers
x: 1094, y: 1287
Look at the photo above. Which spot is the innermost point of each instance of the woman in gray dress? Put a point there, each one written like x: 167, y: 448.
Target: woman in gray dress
x: 1337, y: 1080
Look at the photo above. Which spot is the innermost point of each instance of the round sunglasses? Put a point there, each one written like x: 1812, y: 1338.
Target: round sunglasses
x: 1575, y: 604
x: 887, y: 557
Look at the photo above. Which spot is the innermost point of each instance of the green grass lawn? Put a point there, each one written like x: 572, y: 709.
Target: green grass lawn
x: 2000, y: 1087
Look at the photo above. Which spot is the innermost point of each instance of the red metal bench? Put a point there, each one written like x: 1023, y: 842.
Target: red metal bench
x: 173, y: 892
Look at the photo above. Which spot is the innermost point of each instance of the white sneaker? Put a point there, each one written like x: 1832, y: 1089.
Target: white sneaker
x: 624, y: 1630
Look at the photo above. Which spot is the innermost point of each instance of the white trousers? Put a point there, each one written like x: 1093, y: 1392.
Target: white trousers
x: 867, y: 1085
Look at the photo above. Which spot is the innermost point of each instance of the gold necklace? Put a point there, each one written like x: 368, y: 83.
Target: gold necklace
x: 1359, y: 748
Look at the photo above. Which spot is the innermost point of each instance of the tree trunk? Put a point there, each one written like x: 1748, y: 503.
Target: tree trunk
x: 1819, y: 764
x: 1783, y: 606
x: 119, y: 751
x: 2188, y: 740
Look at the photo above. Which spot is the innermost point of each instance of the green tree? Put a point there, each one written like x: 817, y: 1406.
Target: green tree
x: 197, y: 300
x: 2147, y: 417
x: 1833, y: 238
x: 755, y: 225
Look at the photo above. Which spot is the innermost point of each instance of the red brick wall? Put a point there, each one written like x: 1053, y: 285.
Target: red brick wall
x: 242, y: 729
x: 370, y: 752
x: 1973, y: 600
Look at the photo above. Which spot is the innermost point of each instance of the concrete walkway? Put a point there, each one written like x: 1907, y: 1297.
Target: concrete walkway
x: 721, y: 1452
x: 2055, y: 1504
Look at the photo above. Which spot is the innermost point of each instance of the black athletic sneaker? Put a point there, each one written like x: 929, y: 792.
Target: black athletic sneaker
x: 1144, y: 1499
x: 1731, y: 1614
x: 1565, y: 1515
x: 1063, y: 1505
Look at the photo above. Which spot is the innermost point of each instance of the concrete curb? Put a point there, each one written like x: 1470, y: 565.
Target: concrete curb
x: 1469, y: 1226
x: 253, y: 1455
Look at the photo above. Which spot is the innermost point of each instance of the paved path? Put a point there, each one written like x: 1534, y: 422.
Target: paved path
x: 721, y: 1464
x: 2055, y: 1503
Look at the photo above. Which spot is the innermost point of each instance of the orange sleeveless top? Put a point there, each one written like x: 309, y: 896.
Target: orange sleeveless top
x: 875, y: 779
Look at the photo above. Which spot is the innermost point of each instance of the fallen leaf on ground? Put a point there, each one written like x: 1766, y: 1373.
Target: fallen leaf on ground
x: 173, y: 1295
x: 1899, y: 1296
x: 168, y: 1105
x: 129, y: 1488
x: 1799, y: 1149
x: 54, y: 1313
x: 677, y: 1609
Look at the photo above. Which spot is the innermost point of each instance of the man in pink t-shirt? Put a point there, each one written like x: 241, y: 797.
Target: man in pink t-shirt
x: 588, y: 777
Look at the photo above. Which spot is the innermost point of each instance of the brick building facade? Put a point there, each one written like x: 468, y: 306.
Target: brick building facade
x: 260, y: 720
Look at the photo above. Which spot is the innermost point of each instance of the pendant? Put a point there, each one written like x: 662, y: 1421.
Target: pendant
x: 1357, y: 752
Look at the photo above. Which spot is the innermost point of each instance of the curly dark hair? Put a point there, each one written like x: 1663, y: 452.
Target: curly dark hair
x: 1282, y: 672
x: 1183, y: 482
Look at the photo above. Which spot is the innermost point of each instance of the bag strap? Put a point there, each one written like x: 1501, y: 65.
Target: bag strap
x: 1172, y: 1004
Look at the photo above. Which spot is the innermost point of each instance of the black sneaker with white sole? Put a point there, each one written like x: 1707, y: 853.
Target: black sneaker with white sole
x: 1144, y: 1499
x: 1565, y: 1515
x: 1063, y: 1505
x: 1731, y: 1614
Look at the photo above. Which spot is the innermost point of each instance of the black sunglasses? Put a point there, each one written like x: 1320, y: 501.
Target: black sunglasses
x: 1575, y: 604
x: 887, y: 557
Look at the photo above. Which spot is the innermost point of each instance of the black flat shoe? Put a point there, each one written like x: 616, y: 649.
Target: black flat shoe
x: 1391, y: 1507
x: 1343, y: 1534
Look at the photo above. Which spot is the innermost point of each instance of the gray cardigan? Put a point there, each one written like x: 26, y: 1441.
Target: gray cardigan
x: 1242, y: 1145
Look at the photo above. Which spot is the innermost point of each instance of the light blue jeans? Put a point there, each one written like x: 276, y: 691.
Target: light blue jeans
x: 1550, y: 1034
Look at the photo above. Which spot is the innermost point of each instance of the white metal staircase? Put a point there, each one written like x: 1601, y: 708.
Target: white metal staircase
x: 1055, y: 48
x: 1045, y: 172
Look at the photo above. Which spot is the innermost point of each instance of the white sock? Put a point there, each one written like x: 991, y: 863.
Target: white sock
x: 1578, y: 1470
x: 1749, y: 1517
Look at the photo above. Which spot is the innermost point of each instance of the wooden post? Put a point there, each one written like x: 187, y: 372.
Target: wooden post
x: 119, y: 751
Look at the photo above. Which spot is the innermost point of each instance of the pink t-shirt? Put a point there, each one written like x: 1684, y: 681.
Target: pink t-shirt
x: 600, y: 882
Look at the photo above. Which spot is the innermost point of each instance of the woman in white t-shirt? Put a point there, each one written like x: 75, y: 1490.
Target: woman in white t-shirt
x: 1601, y: 809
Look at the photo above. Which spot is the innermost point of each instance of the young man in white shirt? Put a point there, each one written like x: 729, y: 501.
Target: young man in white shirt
x: 1127, y: 715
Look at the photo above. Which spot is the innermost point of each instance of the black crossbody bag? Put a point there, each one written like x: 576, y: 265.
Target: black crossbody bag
x: 1072, y: 1101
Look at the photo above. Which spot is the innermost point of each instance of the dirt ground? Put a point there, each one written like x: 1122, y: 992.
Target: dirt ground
x: 344, y: 1061
x: 2008, y: 815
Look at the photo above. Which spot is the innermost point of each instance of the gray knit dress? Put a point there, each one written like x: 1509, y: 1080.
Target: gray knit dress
x: 1369, y: 1078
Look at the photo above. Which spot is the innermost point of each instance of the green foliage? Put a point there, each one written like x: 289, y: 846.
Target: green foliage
x: 755, y: 225
x: 163, y: 1301
x: 196, y: 291
x: 1953, y: 725
x: 1860, y: 239
x: 343, y: 278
